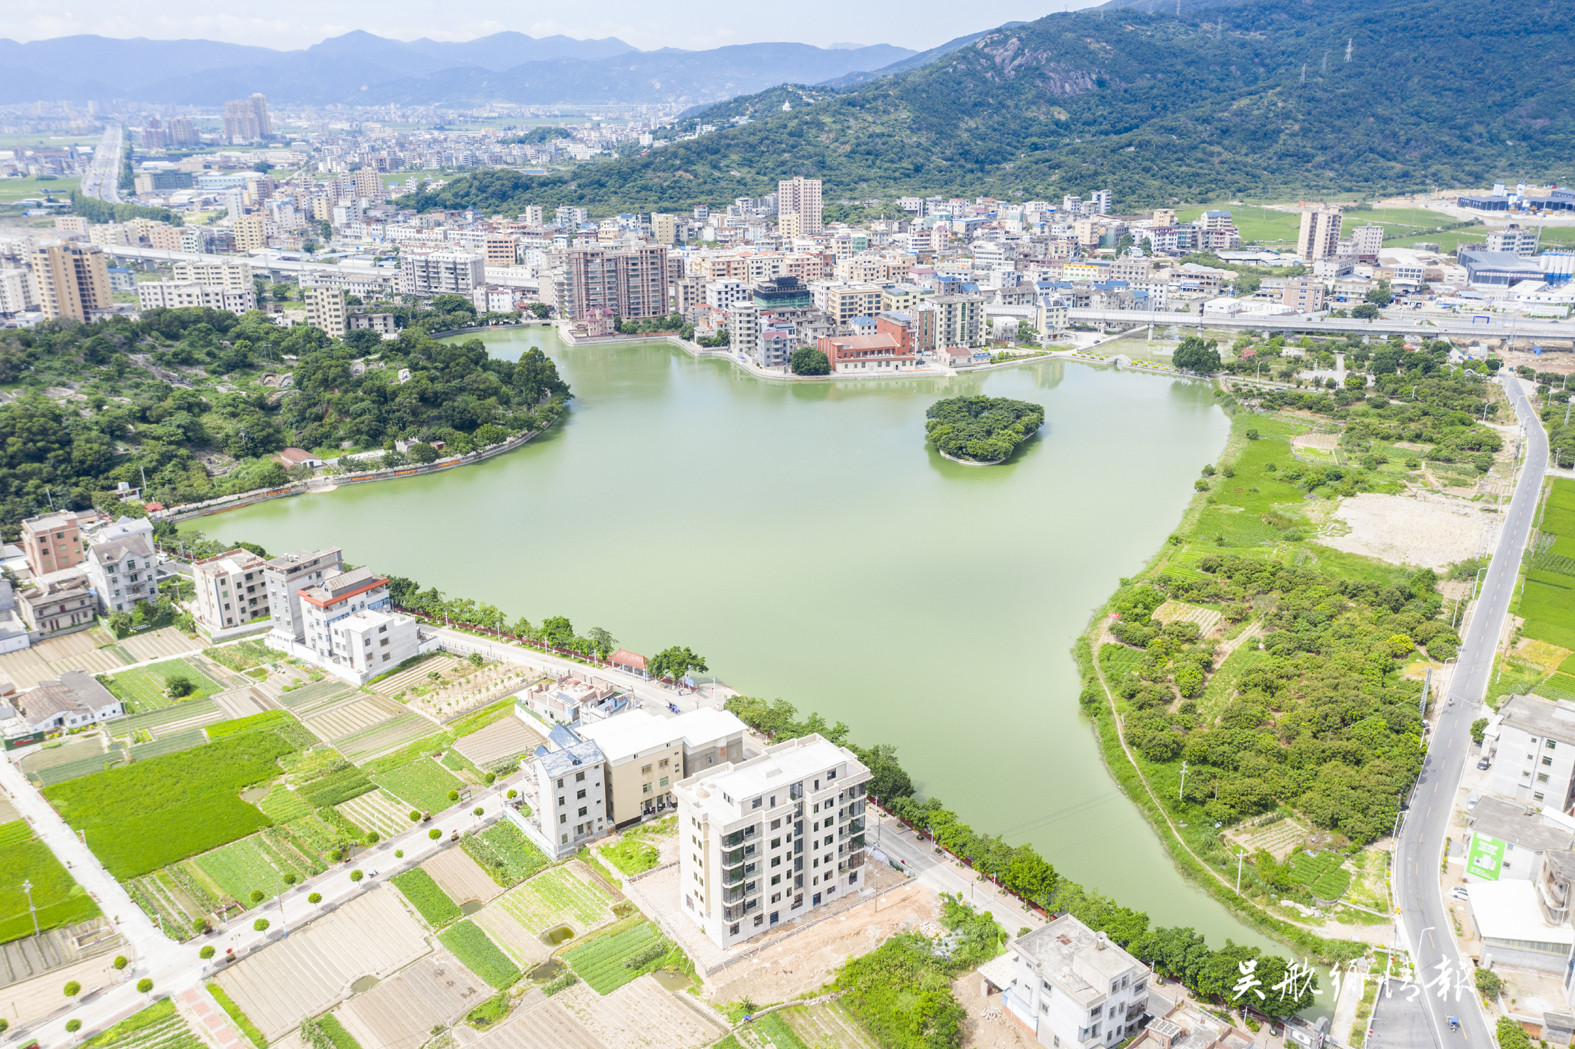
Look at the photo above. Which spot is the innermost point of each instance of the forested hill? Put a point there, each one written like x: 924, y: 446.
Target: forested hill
x: 1251, y: 98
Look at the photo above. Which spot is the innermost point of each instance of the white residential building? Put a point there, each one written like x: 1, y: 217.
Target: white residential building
x: 325, y: 310
x: 1074, y: 988
x: 122, y: 570
x: 285, y: 577
x: 725, y: 294
x: 1534, y: 758
x: 770, y: 839
x: 441, y: 272
x: 348, y: 629
x: 229, y: 274
x: 175, y: 295
x: 231, y: 590
x: 570, y: 803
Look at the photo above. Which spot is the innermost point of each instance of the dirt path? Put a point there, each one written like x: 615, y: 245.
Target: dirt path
x: 1223, y: 652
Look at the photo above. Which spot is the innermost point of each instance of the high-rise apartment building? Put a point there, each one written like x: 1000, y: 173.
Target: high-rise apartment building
x: 251, y: 232
x: 630, y: 282
x: 72, y: 281
x: 17, y: 293
x: 442, y: 272
x: 325, y: 310
x: 247, y: 120
x: 772, y: 838
x: 959, y: 321
x: 231, y: 275
x: 799, y: 197
x: 1319, y: 236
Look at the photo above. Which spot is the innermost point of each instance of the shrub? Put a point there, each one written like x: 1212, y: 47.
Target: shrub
x: 120, y: 961
x: 144, y: 985
x: 399, y: 854
x: 415, y: 817
x: 73, y: 989
x: 453, y: 795
x: 73, y: 1025
x: 261, y: 925
x: 434, y: 834
x: 207, y: 952
x: 512, y: 794
x: 477, y: 811
x: 1489, y: 983
x: 179, y: 687
x: 257, y: 896
x: 315, y: 897
x: 356, y: 875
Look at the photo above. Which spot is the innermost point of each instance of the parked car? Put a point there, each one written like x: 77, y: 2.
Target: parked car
x: 1484, y: 763
x: 1459, y: 893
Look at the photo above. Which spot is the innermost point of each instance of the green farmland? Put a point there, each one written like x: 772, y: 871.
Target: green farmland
x: 147, y: 688
x: 138, y: 818
x: 59, y: 899
x: 1547, y: 600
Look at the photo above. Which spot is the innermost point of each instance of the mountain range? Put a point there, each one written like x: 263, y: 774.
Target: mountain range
x: 1254, y: 98
x: 362, y: 68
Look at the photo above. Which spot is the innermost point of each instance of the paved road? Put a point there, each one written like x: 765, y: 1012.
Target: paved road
x: 103, y: 176
x: 1404, y: 322
x: 941, y: 874
x: 1426, y: 926
x: 176, y: 967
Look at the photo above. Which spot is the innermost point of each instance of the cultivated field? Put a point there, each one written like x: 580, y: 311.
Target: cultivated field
x: 423, y: 784
x: 1207, y: 619
x: 476, y: 951
x: 377, y: 810
x: 608, y: 962
x: 499, y: 741
x: 459, y: 877
x: 56, y: 895
x: 304, y: 975
x: 640, y: 1015
x: 400, y: 1012
x: 147, y: 688
x: 159, y: 1026
x: 558, y: 896
x: 502, y: 851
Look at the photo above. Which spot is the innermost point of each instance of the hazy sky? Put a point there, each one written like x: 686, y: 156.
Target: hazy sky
x: 918, y: 24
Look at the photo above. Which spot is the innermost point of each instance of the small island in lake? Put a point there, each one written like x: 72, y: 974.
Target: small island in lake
x: 981, y: 431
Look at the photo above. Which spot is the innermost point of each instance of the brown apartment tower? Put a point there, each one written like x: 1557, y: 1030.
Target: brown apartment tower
x: 72, y: 279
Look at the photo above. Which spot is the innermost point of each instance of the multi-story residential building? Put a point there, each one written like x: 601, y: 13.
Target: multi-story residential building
x: 229, y: 274
x: 250, y: 231
x: 441, y: 272
x: 771, y: 838
x: 501, y: 251
x: 123, y: 571
x: 383, y: 323
x: 1319, y: 235
x: 17, y: 292
x: 348, y: 628
x: 1534, y: 756
x: 725, y: 294
x: 843, y: 302
x: 173, y: 295
x: 1367, y: 241
x: 285, y: 577
x: 231, y: 590
x: 646, y: 755
x: 325, y: 309
x: 61, y: 603
x: 247, y: 119
x: 959, y: 321
x: 572, y: 218
x: 1303, y: 295
x: 1072, y: 987
x: 629, y: 282
x: 1514, y: 239
x: 903, y: 298
x: 570, y: 803
x: 71, y: 281
x: 52, y: 542
x: 799, y: 207
x: 743, y: 331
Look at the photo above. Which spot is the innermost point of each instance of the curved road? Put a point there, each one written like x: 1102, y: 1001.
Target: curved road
x: 1425, y: 924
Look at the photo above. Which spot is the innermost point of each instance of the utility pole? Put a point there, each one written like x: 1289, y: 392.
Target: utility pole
x: 1183, y: 789
x: 1239, y: 857
x: 27, y: 887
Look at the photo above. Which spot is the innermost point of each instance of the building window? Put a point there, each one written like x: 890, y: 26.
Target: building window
x: 1547, y: 761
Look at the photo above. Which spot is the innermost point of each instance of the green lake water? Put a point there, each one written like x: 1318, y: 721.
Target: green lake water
x: 807, y: 542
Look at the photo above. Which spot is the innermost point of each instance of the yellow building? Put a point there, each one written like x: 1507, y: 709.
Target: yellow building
x: 72, y: 281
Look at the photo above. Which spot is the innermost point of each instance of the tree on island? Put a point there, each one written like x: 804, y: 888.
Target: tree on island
x: 809, y: 361
x: 981, y: 429
x: 1196, y: 355
x: 675, y: 662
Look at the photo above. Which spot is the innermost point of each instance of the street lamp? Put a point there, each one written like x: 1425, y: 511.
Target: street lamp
x: 27, y: 887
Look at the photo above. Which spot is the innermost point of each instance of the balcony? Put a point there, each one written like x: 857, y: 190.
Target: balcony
x: 733, y: 875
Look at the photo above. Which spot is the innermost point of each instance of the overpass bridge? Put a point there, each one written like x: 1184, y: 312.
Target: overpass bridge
x: 1396, y: 322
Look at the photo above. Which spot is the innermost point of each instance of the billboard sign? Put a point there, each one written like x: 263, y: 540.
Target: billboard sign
x: 1486, y: 857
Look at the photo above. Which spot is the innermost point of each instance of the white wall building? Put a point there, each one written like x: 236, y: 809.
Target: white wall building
x: 231, y: 591
x: 770, y: 839
x: 348, y: 628
x: 122, y: 571
x: 1534, y: 759
x: 1074, y: 988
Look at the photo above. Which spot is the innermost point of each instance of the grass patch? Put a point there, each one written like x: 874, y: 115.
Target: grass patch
x: 141, y: 817
x: 59, y: 899
x: 248, y: 864
x: 422, y: 784
x: 631, y: 855
x: 158, y: 1026
x: 479, y: 954
x: 243, y: 655
x: 239, y: 1018
x: 608, y: 962
x: 502, y: 851
x: 427, y: 897
x: 148, y: 688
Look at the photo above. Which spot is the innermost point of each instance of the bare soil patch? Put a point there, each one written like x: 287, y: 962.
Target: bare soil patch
x: 1426, y: 530
x: 989, y: 1025
x: 399, y: 1012
x: 459, y: 876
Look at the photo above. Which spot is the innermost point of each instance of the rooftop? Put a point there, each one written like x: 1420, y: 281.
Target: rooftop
x: 1521, y: 825
x: 575, y: 756
x: 780, y: 766
x: 638, y: 731
x: 1540, y: 717
x: 1072, y: 956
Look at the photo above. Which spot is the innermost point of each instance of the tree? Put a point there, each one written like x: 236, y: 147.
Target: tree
x: 257, y: 896
x: 207, y: 952
x: 1194, y: 354
x: 179, y: 686
x: 121, y: 961
x: 1356, y: 381
x: 260, y: 925
x: 1381, y: 295
x: 807, y: 360
x: 675, y: 662
x: 556, y: 631
x: 1489, y: 983
x: 314, y: 898
x: 1366, y: 311
x: 144, y: 985
x: 356, y: 876
x: 73, y: 989
x: 1511, y: 1035
x: 1478, y: 730
x: 602, y: 642
x: 73, y: 1025
x: 372, y: 837
x: 434, y: 834
x: 422, y: 453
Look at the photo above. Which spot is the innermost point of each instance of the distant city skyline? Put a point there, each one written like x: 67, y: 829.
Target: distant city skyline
x: 695, y: 25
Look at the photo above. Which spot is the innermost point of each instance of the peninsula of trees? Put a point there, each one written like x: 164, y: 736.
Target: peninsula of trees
x: 981, y: 429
